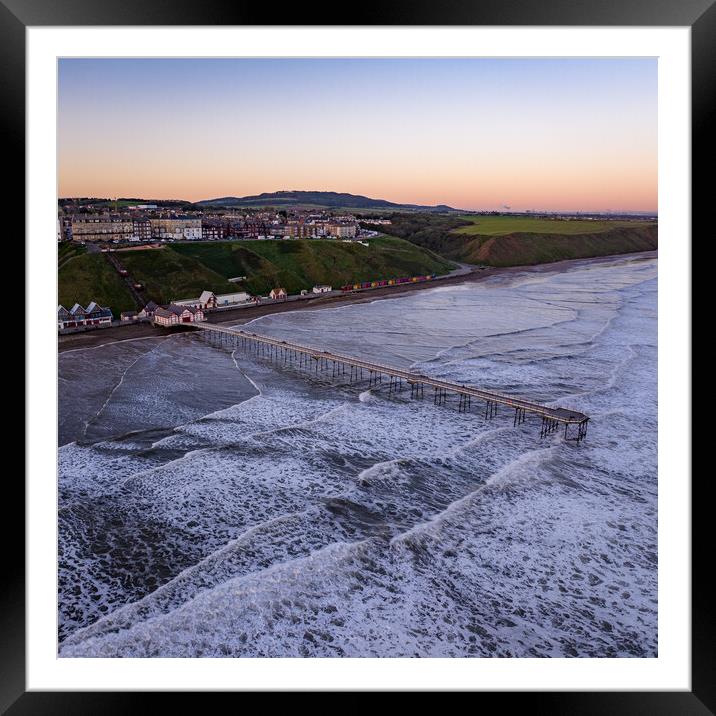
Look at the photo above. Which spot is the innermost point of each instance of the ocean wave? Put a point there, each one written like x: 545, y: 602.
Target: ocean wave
x: 300, y: 516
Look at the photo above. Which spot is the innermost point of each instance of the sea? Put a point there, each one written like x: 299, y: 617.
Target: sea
x: 212, y: 503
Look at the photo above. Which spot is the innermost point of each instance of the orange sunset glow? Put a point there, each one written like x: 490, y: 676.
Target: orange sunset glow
x: 564, y: 134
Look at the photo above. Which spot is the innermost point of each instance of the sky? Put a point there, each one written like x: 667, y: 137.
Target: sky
x: 473, y: 133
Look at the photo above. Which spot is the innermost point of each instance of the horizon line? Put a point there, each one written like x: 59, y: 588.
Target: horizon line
x: 502, y: 210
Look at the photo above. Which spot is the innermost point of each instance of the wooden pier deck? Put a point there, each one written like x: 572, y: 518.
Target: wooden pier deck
x: 290, y: 352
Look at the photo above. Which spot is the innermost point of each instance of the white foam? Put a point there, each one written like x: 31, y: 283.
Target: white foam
x: 312, y: 520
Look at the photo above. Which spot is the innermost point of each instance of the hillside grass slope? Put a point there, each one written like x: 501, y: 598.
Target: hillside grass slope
x: 301, y: 264
x: 505, y: 242
x: 526, y: 249
x: 184, y: 270
x: 168, y: 275
x: 88, y: 277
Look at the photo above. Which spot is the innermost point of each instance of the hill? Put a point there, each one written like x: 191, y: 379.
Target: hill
x: 522, y: 241
x: 301, y: 264
x: 88, y: 277
x: 317, y: 199
x: 519, y: 249
x: 184, y: 270
x: 168, y: 275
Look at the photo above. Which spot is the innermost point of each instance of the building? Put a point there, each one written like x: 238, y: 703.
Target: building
x: 128, y: 316
x: 188, y: 302
x: 66, y: 228
x: 96, y: 315
x: 214, y: 230
x: 141, y: 229
x: 79, y: 317
x: 322, y: 289
x: 206, y: 300
x: 209, y: 300
x: 63, y: 318
x: 277, y: 293
x: 174, y: 315
x: 179, y: 228
x: 341, y: 231
x: 101, y: 228
x: 147, y: 313
x: 231, y: 299
x: 300, y: 230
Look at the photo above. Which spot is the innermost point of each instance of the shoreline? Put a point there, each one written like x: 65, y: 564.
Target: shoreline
x: 118, y: 334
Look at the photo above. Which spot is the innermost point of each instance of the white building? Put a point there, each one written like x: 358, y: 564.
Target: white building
x: 188, y: 302
x: 176, y: 228
x: 322, y: 289
x: 232, y: 299
x: 208, y: 299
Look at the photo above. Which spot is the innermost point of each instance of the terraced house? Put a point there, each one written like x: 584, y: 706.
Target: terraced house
x: 101, y: 228
x: 79, y: 317
x: 178, y: 228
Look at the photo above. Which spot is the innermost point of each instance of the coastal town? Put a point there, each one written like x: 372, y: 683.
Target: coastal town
x: 91, y: 227
x: 126, y: 262
x: 102, y: 222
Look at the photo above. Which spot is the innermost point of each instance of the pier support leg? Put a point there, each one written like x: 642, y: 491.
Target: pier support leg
x: 490, y: 410
x: 581, y: 431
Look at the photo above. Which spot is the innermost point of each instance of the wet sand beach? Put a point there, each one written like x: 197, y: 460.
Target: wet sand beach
x: 93, y: 339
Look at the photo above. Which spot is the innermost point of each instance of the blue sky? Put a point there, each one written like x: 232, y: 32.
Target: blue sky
x: 474, y: 133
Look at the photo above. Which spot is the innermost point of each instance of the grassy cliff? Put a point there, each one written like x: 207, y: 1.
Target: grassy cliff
x: 168, y: 275
x: 88, y: 277
x: 185, y: 270
x: 301, y: 264
x: 521, y: 241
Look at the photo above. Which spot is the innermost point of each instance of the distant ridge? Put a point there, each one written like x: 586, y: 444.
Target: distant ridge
x: 327, y: 199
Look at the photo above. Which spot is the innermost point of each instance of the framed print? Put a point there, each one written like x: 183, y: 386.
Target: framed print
x: 364, y: 375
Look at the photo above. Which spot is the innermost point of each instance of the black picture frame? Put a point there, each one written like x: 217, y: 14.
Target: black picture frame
x: 699, y: 15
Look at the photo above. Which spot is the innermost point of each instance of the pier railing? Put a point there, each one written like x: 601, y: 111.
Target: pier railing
x: 290, y: 351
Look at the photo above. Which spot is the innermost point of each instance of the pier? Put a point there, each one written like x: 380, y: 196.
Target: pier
x: 488, y: 402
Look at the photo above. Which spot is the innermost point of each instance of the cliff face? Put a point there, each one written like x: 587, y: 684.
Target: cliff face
x: 523, y: 249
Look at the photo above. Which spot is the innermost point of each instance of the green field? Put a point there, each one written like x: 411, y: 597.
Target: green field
x: 503, y: 225
x: 521, y: 241
x: 301, y: 264
x: 88, y: 277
